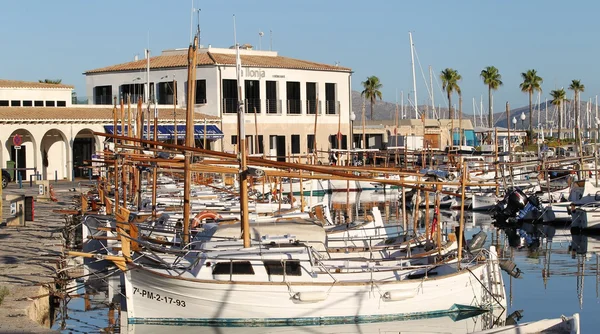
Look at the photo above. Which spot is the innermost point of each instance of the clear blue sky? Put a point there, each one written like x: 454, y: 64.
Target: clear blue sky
x: 61, y: 39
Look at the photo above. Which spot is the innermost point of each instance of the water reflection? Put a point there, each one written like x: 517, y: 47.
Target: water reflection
x: 454, y: 323
x: 554, y: 264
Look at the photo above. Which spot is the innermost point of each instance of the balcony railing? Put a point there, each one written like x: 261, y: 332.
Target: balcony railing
x: 294, y: 107
x: 252, y: 106
x: 332, y: 107
x: 230, y: 106
x: 311, y: 107
x: 273, y: 106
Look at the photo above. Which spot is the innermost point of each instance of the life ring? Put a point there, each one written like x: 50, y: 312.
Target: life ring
x: 204, y: 215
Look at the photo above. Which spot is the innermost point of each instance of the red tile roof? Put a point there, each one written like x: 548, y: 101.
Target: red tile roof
x: 30, y: 84
x: 212, y: 58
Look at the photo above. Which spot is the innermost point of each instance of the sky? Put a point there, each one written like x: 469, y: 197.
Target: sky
x: 62, y: 39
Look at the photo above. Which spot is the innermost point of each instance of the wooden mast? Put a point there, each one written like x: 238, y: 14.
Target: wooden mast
x: 315, y: 131
x: 155, y: 169
x: 243, y: 174
x: 175, y: 111
x: 189, y: 138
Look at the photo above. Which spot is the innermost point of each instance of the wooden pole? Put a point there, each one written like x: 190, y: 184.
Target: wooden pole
x: 129, y: 131
x: 205, y: 129
x: 364, y: 135
x: 155, y: 169
x: 439, y: 216
x: 315, y: 131
x: 256, y: 150
x: 416, y: 209
x: 189, y: 139
x: 426, y: 215
x: 461, y: 225
x: 339, y: 137
x: 496, y: 160
x: 175, y: 111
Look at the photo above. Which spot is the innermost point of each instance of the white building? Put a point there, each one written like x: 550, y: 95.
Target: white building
x: 280, y: 95
x: 57, y: 136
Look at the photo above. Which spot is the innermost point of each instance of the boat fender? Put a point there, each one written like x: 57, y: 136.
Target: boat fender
x: 397, y: 295
x: 310, y: 296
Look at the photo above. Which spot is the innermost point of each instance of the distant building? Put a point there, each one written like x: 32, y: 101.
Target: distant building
x: 57, y: 136
x: 281, y: 96
x: 435, y: 134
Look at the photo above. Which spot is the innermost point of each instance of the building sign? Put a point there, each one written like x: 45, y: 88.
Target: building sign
x: 253, y: 73
x: 258, y: 74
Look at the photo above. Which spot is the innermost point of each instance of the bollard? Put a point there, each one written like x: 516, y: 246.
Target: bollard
x: 19, y: 180
x: 55, y: 176
x: 31, y: 180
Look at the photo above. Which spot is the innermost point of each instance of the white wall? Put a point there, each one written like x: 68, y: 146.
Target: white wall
x: 36, y: 94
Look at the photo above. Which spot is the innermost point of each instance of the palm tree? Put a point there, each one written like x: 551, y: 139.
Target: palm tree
x: 558, y: 97
x: 531, y: 82
x: 577, y: 87
x: 493, y: 80
x: 51, y: 81
x: 450, y: 79
x: 372, y: 91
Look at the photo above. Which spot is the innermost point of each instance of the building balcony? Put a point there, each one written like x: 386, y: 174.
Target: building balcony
x: 332, y: 107
x: 273, y: 106
x: 294, y: 107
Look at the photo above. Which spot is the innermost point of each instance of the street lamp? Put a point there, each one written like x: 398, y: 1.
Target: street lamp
x: 352, y: 119
x: 514, y: 121
x: 523, y: 120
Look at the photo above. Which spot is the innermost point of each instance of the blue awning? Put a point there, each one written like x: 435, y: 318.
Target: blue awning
x: 166, y: 132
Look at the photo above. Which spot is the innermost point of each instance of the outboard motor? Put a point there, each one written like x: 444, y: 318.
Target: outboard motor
x: 477, y: 242
x: 515, y: 205
x: 510, y: 268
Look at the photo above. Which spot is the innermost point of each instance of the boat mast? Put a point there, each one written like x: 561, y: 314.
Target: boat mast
x: 189, y: 137
x: 245, y: 224
x: 433, y: 113
x: 412, y: 62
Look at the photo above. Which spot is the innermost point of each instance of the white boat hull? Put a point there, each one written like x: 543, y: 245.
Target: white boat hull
x: 158, y: 296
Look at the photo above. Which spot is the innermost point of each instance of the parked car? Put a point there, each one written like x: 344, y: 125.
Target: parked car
x: 5, y: 178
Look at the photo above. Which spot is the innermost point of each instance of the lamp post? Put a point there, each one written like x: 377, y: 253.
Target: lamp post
x: 523, y: 125
x: 352, y: 119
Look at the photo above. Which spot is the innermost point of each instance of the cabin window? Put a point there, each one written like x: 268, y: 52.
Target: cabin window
x: 4, y: 103
x: 233, y: 268
x: 27, y: 103
x: 50, y: 104
x: 292, y: 268
x: 295, y: 144
x: 15, y: 103
x: 39, y: 103
x: 61, y: 103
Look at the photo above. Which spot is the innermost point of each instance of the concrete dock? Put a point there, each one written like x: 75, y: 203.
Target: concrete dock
x: 28, y: 259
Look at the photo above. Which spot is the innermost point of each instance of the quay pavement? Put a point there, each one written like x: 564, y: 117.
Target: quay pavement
x: 29, y: 257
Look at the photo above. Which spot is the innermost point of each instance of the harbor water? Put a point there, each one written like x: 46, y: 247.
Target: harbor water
x: 559, y: 275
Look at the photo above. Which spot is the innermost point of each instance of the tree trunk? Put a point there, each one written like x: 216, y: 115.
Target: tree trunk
x: 490, y: 116
x: 530, y: 111
x: 530, y: 118
x: 372, y: 105
x: 560, y: 111
x: 450, y: 111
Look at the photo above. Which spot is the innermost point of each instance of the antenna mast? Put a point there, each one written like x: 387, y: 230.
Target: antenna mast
x: 412, y: 62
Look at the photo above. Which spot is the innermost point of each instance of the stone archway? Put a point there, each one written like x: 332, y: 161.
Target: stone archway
x: 85, y: 144
x: 25, y: 157
x: 55, y: 155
